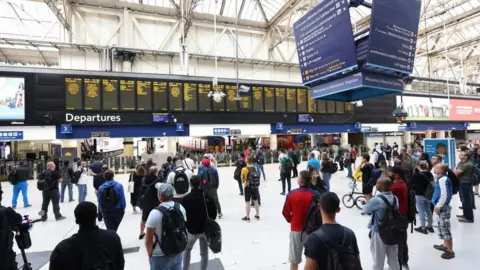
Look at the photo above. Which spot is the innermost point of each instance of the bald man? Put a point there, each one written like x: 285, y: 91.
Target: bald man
x: 50, y: 191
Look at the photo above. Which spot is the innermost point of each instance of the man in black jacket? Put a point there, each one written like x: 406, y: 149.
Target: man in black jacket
x: 99, y: 178
x: 8, y: 218
x: 197, y: 204
x: 91, y: 247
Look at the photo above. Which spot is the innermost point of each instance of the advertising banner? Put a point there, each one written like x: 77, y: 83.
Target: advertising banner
x: 465, y: 110
x: 441, y: 147
x: 12, y: 98
x: 440, y: 109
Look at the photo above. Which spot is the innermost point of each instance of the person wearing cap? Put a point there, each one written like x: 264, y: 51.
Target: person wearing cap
x: 210, y: 183
x: 91, y: 247
x: 158, y: 259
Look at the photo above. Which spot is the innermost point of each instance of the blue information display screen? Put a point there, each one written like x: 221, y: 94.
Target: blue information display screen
x: 304, y: 118
x: 324, y: 41
x: 393, y: 35
x: 161, y: 118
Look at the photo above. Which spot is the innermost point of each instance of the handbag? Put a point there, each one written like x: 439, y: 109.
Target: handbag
x: 131, y: 184
x: 212, y: 231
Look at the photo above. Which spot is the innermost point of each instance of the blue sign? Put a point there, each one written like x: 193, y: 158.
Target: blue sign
x: 441, y: 147
x: 11, y: 135
x: 324, y: 40
x: 402, y: 128
x: 221, y: 131
x: 66, y: 129
x: 161, y: 118
x: 180, y: 127
x: 357, y: 125
x: 366, y: 129
x: 304, y: 118
x: 279, y: 126
x: 393, y: 35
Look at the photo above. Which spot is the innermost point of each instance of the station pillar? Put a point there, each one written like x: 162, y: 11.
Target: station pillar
x: 128, y: 147
x: 172, y: 145
x: 273, y: 142
x: 344, y: 139
x: 428, y: 134
x: 441, y: 134
x: 313, y: 140
x: 407, y: 138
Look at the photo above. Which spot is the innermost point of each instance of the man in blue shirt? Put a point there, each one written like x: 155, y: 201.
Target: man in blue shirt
x: 111, y: 201
x: 210, y: 182
x: 313, y: 161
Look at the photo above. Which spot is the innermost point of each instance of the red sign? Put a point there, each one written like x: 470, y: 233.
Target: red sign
x: 464, y: 110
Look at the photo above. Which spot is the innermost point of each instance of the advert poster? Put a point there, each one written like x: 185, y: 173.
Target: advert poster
x: 464, y: 110
x: 441, y: 147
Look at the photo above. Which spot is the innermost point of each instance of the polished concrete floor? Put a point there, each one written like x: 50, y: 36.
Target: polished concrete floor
x: 259, y: 244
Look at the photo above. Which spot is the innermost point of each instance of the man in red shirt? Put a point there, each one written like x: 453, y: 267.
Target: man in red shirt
x: 295, y: 211
x: 400, y: 189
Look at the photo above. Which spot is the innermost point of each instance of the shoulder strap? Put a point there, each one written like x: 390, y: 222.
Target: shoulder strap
x: 205, y: 202
x: 329, y: 243
x: 389, y: 205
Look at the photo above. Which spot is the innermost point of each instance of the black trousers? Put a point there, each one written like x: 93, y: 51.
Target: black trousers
x: 467, y: 198
x: 286, y: 177
x: 295, y: 170
x: 113, y: 218
x: 240, y: 186
x: 54, y: 196
x: 340, y: 162
x: 403, y: 249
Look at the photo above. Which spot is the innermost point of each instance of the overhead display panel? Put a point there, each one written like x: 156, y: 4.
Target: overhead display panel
x: 269, y: 99
x: 73, y: 91
x: 204, y: 101
x: 324, y: 41
x: 393, y: 35
x: 280, y: 100
x: 175, y: 96
x: 291, y: 100
x: 231, y: 91
x: 110, y: 95
x: 160, y: 96
x: 245, y: 104
x: 127, y: 95
x: 92, y: 94
x: 144, y: 95
x: 257, y: 98
x: 190, y: 96
x: 302, y: 100
x: 312, y: 104
x: 219, y: 106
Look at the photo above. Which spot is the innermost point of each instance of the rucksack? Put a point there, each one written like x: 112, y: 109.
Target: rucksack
x: 180, y: 181
x: 343, y: 256
x: 332, y: 167
x: 208, y: 181
x: 65, y: 176
x: 393, y: 227
x: 174, y: 236
x: 313, y: 220
x: 412, y: 207
x: 76, y: 176
x: 475, y: 175
x: 238, y: 171
x: 430, y: 188
x: 455, y: 181
x: 44, y: 182
x: 253, y: 178
x: 288, y: 165
x: 109, y: 198
x: 380, y: 156
x: 212, y: 231
x: 148, y: 195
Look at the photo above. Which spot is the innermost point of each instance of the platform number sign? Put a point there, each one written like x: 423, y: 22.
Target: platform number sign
x: 66, y: 129
x: 180, y: 127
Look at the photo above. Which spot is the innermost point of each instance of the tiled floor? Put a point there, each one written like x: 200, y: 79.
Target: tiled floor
x: 260, y: 244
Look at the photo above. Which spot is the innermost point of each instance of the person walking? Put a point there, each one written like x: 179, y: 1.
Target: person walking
x: 198, y: 207
x: 134, y: 185
x: 189, y: 163
x: 82, y: 175
x: 51, y: 178
x: 179, y: 178
x: 211, y: 183
x: 286, y: 165
x: 420, y: 182
x: 349, y: 161
x: 260, y: 156
x: 18, y: 178
x: 464, y: 171
x: 388, y: 153
x: 296, y: 162
x: 148, y: 197
x: 326, y: 169
x: 237, y: 174
x: 111, y: 201
x: 339, y: 157
x: 67, y: 175
x: 99, y: 179
x: 251, y: 181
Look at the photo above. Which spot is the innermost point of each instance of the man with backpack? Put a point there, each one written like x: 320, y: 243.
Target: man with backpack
x: 166, y: 237
x: 165, y: 169
x: 48, y: 182
x: 111, y: 201
x: 251, y: 181
x: 18, y: 178
x: 384, y: 235
x: 378, y: 156
x: 286, y: 166
x: 333, y: 246
x: 148, y: 196
x: 179, y: 178
x: 67, y: 175
x: 210, y: 183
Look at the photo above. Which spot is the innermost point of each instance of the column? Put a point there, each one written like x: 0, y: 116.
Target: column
x: 172, y: 145
x: 344, y: 139
x: 128, y: 147
x: 407, y: 138
x: 273, y: 142
x: 428, y: 134
x: 313, y: 140
x: 441, y: 134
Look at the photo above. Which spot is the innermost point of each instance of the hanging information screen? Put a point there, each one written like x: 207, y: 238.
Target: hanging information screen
x: 175, y: 98
x: 232, y: 105
x: 219, y: 106
x: 92, y: 94
x: 204, y: 101
x: 257, y: 98
x: 246, y: 102
x: 144, y: 95
x: 312, y: 104
x: 160, y: 96
x: 302, y: 100
x: 73, y: 87
x: 280, y: 100
x: 291, y: 100
x: 110, y: 95
x: 190, y: 96
x: 127, y: 95
x: 269, y: 99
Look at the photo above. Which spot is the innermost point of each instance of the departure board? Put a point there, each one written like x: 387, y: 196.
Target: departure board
x: 348, y: 107
x: 204, y: 101
x: 231, y: 92
x: 269, y: 99
x: 219, y: 106
x: 302, y: 100
x: 190, y: 96
x: 312, y: 104
x: 257, y: 98
x: 160, y: 96
x: 322, y: 106
x: 291, y: 100
x: 330, y: 106
x: 127, y: 95
x: 280, y: 100
x: 144, y: 95
x: 73, y: 90
x: 246, y: 102
x: 175, y: 97
x: 340, y: 107
x: 92, y: 94
x: 110, y: 95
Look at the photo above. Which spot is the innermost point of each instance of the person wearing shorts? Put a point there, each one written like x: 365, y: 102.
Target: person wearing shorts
x: 251, y: 193
x: 367, y: 169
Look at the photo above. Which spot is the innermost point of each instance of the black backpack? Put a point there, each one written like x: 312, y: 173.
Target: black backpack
x: 332, y: 167
x: 44, y: 181
x: 253, y: 178
x: 393, y: 226
x: 212, y: 231
x: 6, y: 234
x: 148, y: 195
x: 313, y: 220
x: 381, y: 156
x: 109, y: 198
x: 343, y: 256
x: 209, y: 181
x: 476, y: 175
x: 180, y: 181
x: 455, y: 181
x: 237, y: 175
x: 65, y: 176
x: 288, y: 165
x: 174, y: 236
x: 412, y: 207
x: 430, y: 188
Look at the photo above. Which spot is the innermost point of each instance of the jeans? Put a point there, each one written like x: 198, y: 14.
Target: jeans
x: 326, y: 177
x: 466, y: 191
x: 166, y: 262
x: 213, y: 193
x: 192, y: 239
x: 295, y: 171
x: 23, y: 187
x: 240, y: 186
x: 70, y: 192
x: 54, y: 196
x: 286, y: 177
x: 380, y: 250
x: 82, y: 193
x: 350, y: 170
x: 113, y: 218
x: 263, y: 172
x: 424, y: 209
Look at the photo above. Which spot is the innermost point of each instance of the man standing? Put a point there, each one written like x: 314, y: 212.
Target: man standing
x: 339, y: 158
x: 251, y: 182
x: 111, y: 201
x: 313, y: 162
x: 9, y: 218
x: 67, y: 175
x: 210, y: 183
x: 198, y: 207
x: 19, y: 177
x: 82, y: 176
x: 179, y: 178
x: 261, y: 161
x: 348, y: 161
x: 189, y: 163
x: 286, y: 165
x: 464, y: 171
x: 51, y: 179
x: 96, y: 166
x: 367, y: 169
x: 388, y: 154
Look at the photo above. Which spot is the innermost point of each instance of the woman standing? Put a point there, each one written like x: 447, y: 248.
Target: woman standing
x: 136, y: 177
x: 325, y: 169
x: 420, y: 181
x: 317, y: 183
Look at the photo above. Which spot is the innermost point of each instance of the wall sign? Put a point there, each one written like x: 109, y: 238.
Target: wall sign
x: 66, y: 129
x: 98, y: 134
x: 11, y: 135
x: 279, y: 126
x: 95, y: 118
x: 236, y: 131
x: 394, y: 133
x: 221, y: 131
x: 180, y: 127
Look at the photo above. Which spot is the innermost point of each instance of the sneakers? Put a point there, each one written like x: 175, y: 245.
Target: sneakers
x: 440, y: 247
x: 246, y: 219
x: 430, y: 229
x: 421, y: 230
x: 447, y: 255
x: 60, y: 218
x: 141, y: 236
x: 257, y: 217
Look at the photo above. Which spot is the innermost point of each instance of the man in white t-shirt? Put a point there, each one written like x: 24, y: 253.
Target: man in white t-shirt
x: 178, y: 181
x: 158, y: 259
x: 316, y: 153
x: 83, y: 179
x: 189, y: 163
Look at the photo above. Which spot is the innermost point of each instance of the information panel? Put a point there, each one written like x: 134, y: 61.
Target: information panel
x: 144, y: 95
x: 160, y: 96
x: 312, y: 104
x: 190, y: 96
x: 110, y: 95
x: 127, y: 95
x: 231, y: 91
x: 175, y: 97
x: 302, y: 100
x: 269, y: 99
x: 219, y: 106
x: 92, y: 94
x: 246, y: 103
x: 291, y: 100
x: 280, y: 100
x: 204, y: 101
x: 257, y: 98
x: 73, y: 87
x: 325, y: 41
x: 393, y: 35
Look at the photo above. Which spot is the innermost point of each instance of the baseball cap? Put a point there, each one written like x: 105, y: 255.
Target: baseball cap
x: 165, y: 189
x: 206, y: 162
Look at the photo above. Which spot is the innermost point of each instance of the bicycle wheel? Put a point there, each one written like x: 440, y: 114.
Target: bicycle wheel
x: 348, y: 200
x: 360, y: 201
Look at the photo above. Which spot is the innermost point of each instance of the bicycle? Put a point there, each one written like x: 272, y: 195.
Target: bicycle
x: 350, y: 200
